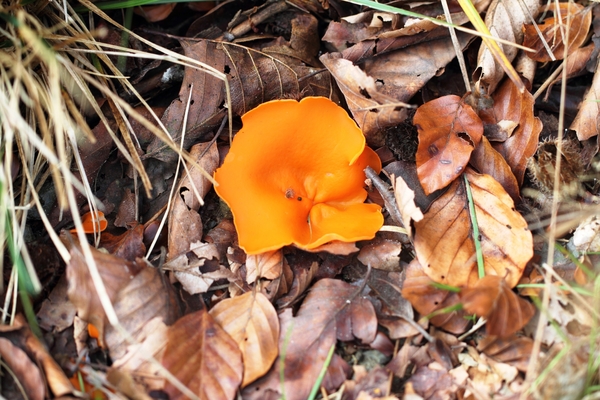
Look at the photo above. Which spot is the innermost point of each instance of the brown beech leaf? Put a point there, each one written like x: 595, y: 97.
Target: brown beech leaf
x: 333, y: 309
x: 571, y: 15
x: 513, y: 126
x: 116, y: 273
x: 513, y: 350
x: 504, y: 19
x: 488, y: 161
x: 251, y: 320
x: 381, y: 254
x: 449, y: 130
x: 444, y: 238
x: 364, y: 98
x: 491, y: 298
x: 264, y: 266
x: 425, y: 298
x: 25, y: 371
x: 302, y: 279
x: 203, y: 357
x: 129, y: 245
x: 207, y: 93
x: 586, y: 122
x: 147, y: 296
x: 185, y: 224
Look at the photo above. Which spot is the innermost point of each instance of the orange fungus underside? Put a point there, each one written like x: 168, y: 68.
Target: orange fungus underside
x: 295, y: 175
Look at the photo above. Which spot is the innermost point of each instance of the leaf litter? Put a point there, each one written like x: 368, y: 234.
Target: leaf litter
x: 411, y: 313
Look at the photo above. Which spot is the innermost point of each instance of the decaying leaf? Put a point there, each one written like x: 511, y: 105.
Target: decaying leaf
x: 449, y: 130
x: 266, y: 265
x: 23, y: 369
x: 333, y: 309
x: 251, y: 320
x: 203, y: 357
x: 185, y: 224
x: 565, y: 15
x: 444, y: 238
x: 116, y: 273
x: 491, y: 298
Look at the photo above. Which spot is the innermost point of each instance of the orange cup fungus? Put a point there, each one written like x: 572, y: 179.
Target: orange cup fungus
x: 295, y: 174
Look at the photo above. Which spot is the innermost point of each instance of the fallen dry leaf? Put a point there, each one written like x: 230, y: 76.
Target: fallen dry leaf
x: 25, y: 371
x: 185, y: 224
x: 251, y: 321
x: 514, y: 126
x: 333, y: 309
x: 586, y: 121
x: 266, y: 265
x: 381, y: 254
x: 491, y: 298
x: 57, y: 312
x: 364, y: 98
x: 572, y: 15
x: 444, y: 238
x: 418, y: 288
x: 301, y: 280
x: 405, y: 198
x: 505, y: 20
x: 514, y: 350
x: 449, y: 130
x: 146, y: 296
x: 129, y: 245
x: 116, y: 273
x: 486, y: 160
x: 203, y: 357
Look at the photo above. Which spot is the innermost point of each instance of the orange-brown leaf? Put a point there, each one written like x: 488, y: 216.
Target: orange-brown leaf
x: 449, y: 130
x: 491, y: 298
x: 573, y: 15
x: 444, y: 238
x: 251, y: 320
x: 513, y: 350
x: 203, y: 357
x: 515, y: 127
x: 488, y: 161
x: 425, y: 298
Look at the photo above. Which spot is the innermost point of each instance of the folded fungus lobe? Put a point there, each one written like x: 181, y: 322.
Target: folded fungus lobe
x: 295, y: 175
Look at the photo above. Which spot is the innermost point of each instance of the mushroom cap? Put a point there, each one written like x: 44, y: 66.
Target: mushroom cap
x: 295, y: 174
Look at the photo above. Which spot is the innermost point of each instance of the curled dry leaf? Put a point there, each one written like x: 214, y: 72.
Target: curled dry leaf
x: 586, y: 122
x: 24, y: 370
x: 366, y: 102
x: 449, y: 130
x: 505, y: 20
x: 425, y: 298
x: 203, y: 357
x: 514, y: 127
x: 491, y: 298
x: 333, y: 309
x: 302, y: 279
x: 405, y: 198
x: 251, y: 320
x: 568, y: 15
x: 185, y: 224
x: 129, y: 245
x: 266, y: 265
x: 444, y: 238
